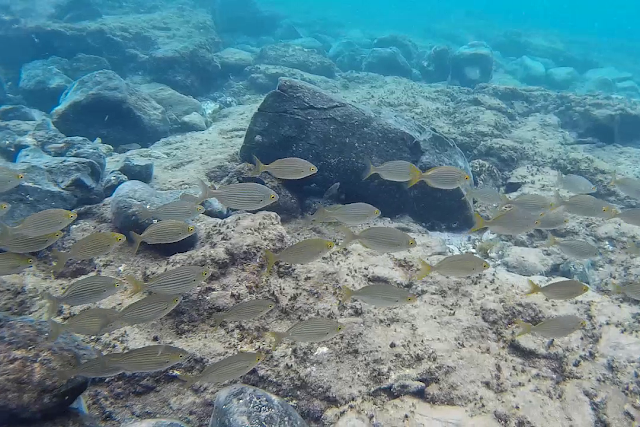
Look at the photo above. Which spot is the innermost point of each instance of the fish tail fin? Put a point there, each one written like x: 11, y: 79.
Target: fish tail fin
x: 614, y: 178
x: 277, y: 338
x: 557, y: 200
x: 534, y: 288
x: 189, y: 380
x: 347, y: 293
x: 53, y: 304
x: 136, y: 239
x: 559, y: 177
x: 617, y: 289
x: 137, y: 285
x: 425, y: 270
x: 55, y: 330
x: 551, y: 241
x: 370, y: 170
x: 60, y: 259
x: 479, y: 224
x: 204, y: 191
x: 416, y: 176
x: 525, y: 328
x: 258, y: 168
x: 349, y: 236
x: 271, y: 260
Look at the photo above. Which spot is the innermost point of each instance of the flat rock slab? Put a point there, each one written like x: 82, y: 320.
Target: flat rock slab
x: 242, y: 405
x: 299, y: 120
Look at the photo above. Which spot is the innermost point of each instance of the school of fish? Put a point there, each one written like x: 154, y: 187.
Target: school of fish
x: 163, y: 292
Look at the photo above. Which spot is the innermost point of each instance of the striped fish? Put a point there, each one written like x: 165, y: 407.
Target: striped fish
x: 148, y: 309
x: 350, y: 214
x: 172, y: 282
x: 92, y: 368
x: 167, y: 231
x: 43, y: 222
x: 146, y: 359
x: 443, y: 177
x: 586, y: 205
x: 14, y: 263
x: 21, y: 244
x: 562, y: 290
x: 226, y: 369
x: 379, y: 295
x: 395, y: 170
x: 287, y: 168
x: 247, y: 310
x: 315, y: 329
x: 84, y: 291
x: 88, y: 322
x: 247, y: 196
x: 88, y: 247
x: 300, y: 253
x: 631, y: 290
x: 556, y: 327
x: 380, y: 239
x: 533, y: 203
x: 180, y: 210
x: 579, y: 249
x: 575, y: 184
x: 552, y: 220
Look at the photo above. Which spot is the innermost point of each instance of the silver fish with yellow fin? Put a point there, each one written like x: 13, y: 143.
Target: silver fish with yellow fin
x: 579, y: 249
x: 628, y: 186
x: 462, y: 265
x: 443, y: 177
x: 146, y: 359
x: 148, y: 309
x: 167, y: 231
x: 350, y: 214
x: 380, y: 239
x: 11, y: 263
x: 575, y: 184
x: 302, y: 252
x: 88, y: 322
x: 84, y: 291
x: 176, y: 281
x: 21, y: 244
x: 227, y: 369
x: 395, y: 170
x: 562, y: 290
x: 180, y: 210
x: 586, y: 205
x: 510, y: 222
x: 88, y: 247
x: 9, y: 179
x: 287, y: 168
x: 556, y: 327
x: 42, y: 223
x: 379, y: 295
x: 247, y: 310
x: 315, y: 329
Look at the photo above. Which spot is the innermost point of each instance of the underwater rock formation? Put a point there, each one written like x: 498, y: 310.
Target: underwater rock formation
x: 103, y: 105
x: 180, y: 108
x: 31, y: 389
x: 299, y: 120
x: 528, y: 70
x: 293, y: 56
x: 471, y: 65
x: 435, y: 65
x: 42, y: 83
x: 387, y: 61
x: 241, y: 405
x: 562, y: 78
x: 234, y: 61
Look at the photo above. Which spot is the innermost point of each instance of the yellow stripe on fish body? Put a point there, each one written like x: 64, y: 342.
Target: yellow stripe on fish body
x: 176, y: 281
x: 88, y: 247
x: 146, y: 359
x: 315, y: 329
x: 227, y: 369
x: 395, y: 170
x: 148, y: 309
x: 287, y: 168
x: 446, y: 177
x: 22, y: 244
x: 44, y: 222
x: 380, y: 239
x: 167, y: 231
x: 379, y: 295
x: 247, y: 310
x: 11, y: 263
x: 562, y: 290
x: 462, y: 265
x: 579, y: 249
x: 84, y: 291
x: 88, y: 322
x: 179, y: 210
x: 300, y: 253
x: 247, y: 196
x: 556, y: 327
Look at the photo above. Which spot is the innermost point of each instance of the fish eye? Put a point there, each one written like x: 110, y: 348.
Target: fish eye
x: 376, y: 212
x: 181, y: 356
x: 191, y: 228
x: 329, y: 245
x: 485, y: 265
x: 271, y: 306
x: 313, y: 169
x: 20, y: 176
x: 72, y: 215
x: 200, y: 209
x: 537, y: 222
x: 411, y: 299
x: 205, y: 273
x: 412, y: 242
x: 340, y: 328
x: 58, y: 234
x: 583, y: 323
x: 272, y: 196
x: 117, y: 285
x: 605, y: 209
x: 5, y: 206
x: 30, y: 261
x: 467, y: 177
x: 593, y: 188
x: 176, y: 300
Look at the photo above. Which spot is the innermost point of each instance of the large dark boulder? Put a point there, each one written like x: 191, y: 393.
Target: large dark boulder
x: 103, y: 105
x: 31, y: 389
x: 299, y: 120
x: 241, y: 405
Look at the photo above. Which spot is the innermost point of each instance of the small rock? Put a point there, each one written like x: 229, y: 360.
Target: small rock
x: 41, y: 84
x: 113, y: 181
x: 175, y: 104
x: 387, y: 61
x: 347, y: 55
x: 19, y: 112
x: 471, y: 65
x: 193, y: 122
x: 308, y: 43
x: 137, y: 169
x: 528, y: 71
x: 242, y: 405
x: 628, y: 87
x: 403, y: 43
x: 30, y: 388
x: 435, y: 65
x: 292, y: 56
x: 234, y: 61
x: 562, y: 78
x: 88, y: 106
x: 578, y: 270
x: 124, y: 214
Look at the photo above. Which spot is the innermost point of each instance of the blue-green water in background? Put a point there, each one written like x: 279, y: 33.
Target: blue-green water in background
x: 617, y: 19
